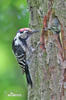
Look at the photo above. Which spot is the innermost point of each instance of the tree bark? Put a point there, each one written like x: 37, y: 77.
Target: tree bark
x: 46, y: 72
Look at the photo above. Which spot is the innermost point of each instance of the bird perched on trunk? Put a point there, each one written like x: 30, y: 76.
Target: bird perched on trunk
x: 20, y: 48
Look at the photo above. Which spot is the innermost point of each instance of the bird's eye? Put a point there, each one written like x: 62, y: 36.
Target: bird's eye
x: 24, y: 35
x: 21, y: 32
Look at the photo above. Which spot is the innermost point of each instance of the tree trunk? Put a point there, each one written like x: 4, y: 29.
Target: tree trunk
x: 46, y: 72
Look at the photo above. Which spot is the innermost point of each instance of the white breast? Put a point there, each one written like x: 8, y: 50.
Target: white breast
x: 16, y: 39
x: 18, y: 42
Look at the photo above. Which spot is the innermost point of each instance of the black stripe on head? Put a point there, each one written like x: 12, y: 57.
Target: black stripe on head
x: 23, y: 41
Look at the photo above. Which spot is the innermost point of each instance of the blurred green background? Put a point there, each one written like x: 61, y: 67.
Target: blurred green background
x: 13, y: 15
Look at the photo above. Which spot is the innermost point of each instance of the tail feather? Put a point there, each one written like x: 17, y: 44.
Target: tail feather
x: 29, y: 81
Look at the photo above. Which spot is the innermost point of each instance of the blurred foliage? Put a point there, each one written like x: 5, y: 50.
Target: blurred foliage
x: 13, y: 15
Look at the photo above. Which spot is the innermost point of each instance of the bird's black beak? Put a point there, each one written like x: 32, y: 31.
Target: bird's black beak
x: 35, y: 31
x: 32, y: 32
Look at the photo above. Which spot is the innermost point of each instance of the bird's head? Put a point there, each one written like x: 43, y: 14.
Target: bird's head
x: 25, y: 32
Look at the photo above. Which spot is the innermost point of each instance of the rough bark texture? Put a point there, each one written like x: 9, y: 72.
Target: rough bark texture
x: 46, y: 72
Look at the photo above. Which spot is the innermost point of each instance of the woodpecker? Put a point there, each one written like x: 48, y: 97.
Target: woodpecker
x: 20, y: 48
